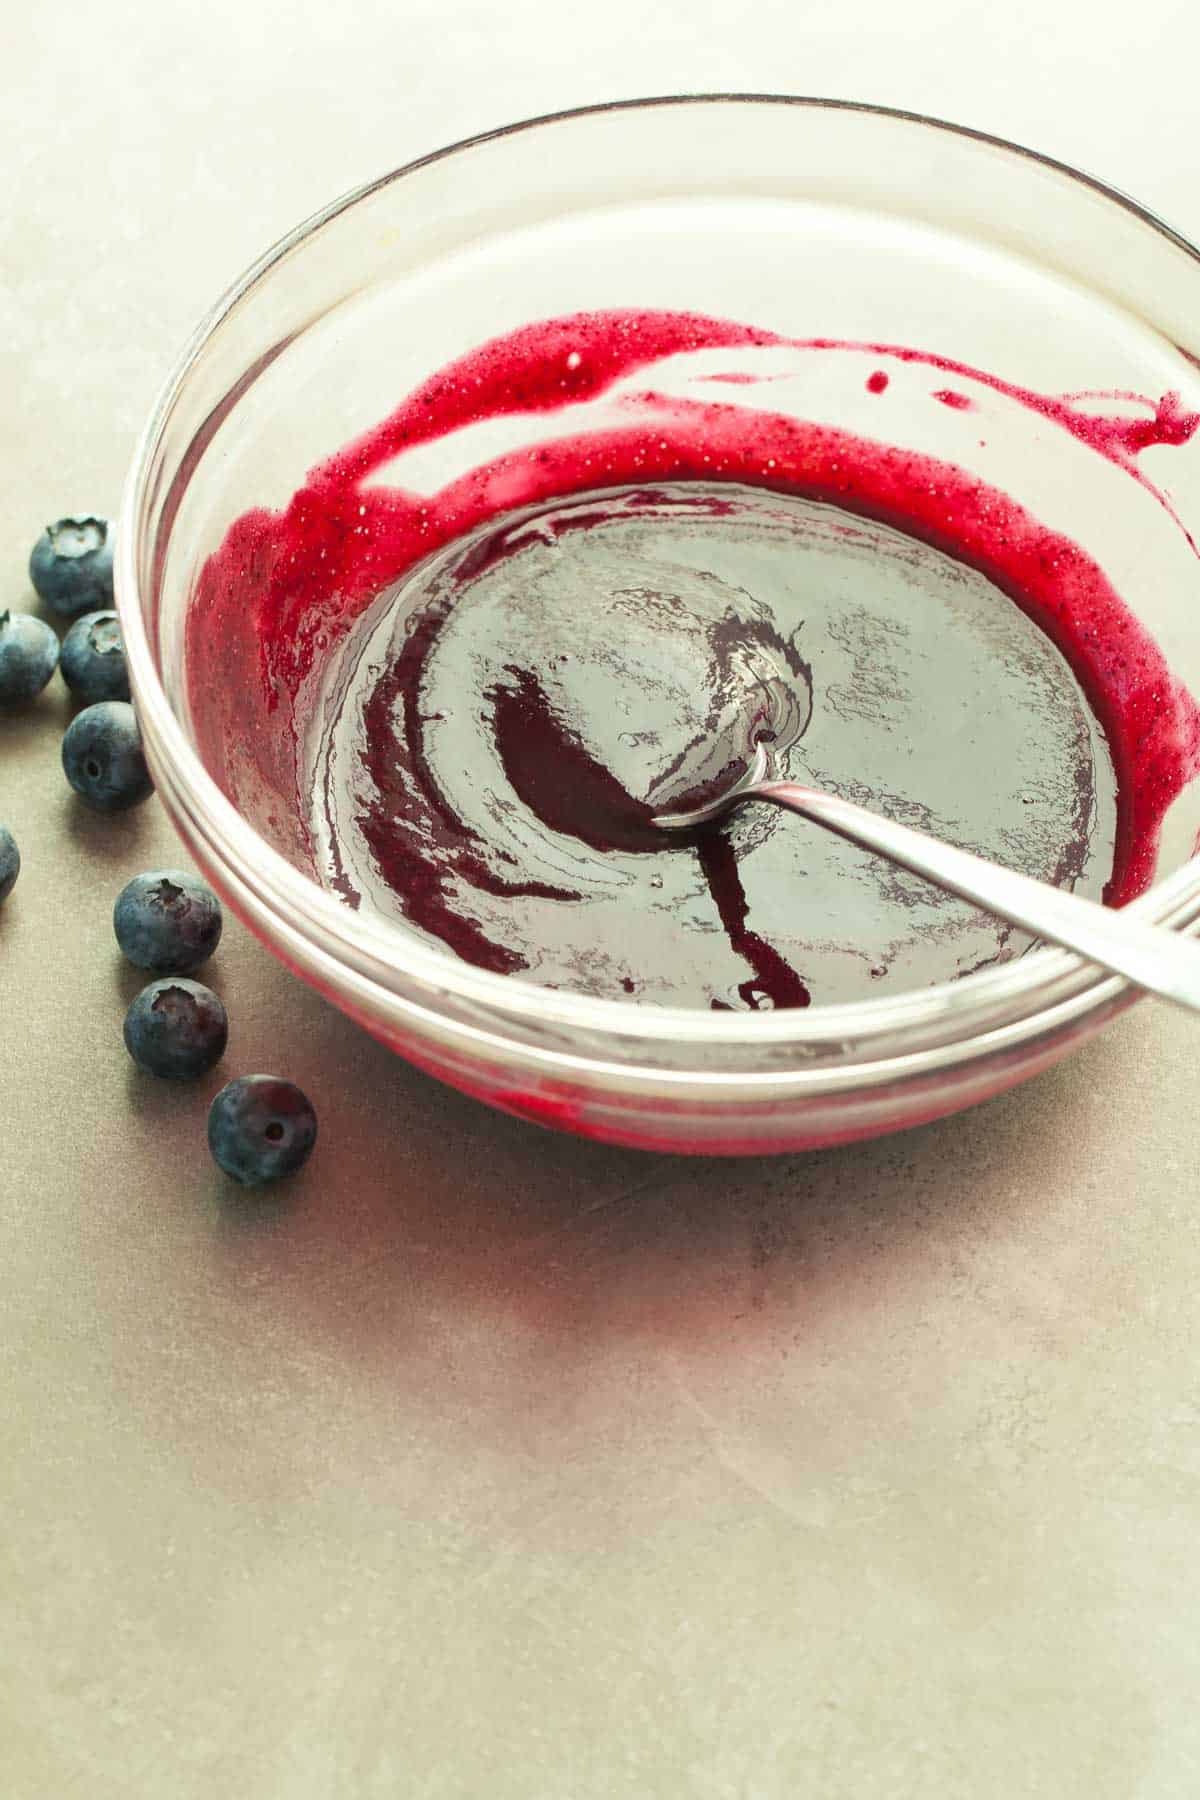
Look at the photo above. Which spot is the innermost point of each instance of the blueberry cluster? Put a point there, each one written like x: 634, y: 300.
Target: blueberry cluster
x: 167, y: 921
x: 72, y: 570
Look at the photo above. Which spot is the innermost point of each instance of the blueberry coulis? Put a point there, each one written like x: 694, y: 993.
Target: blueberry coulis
x: 463, y: 709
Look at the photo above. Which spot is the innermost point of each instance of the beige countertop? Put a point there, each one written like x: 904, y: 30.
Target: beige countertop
x: 484, y: 1462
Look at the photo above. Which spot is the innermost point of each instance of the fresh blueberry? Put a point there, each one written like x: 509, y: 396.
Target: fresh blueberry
x: 176, y: 1029
x: 102, y: 757
x: 71, y: 566
x: 167, y: 921
x: 28, y: 656
x: 260, y: 1128
x: 10, y: 862
x: 93, y: 659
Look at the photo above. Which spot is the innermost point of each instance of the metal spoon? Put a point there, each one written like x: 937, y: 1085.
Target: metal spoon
x: 1156, y: 959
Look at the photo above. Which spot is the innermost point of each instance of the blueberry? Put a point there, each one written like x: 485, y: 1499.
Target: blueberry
x: 71, y: 566
x: 260, y: 1128
x: 93, y: 659
x: 167, y: 921
x: 102, y: 757
x: 10, y: 862
x: 28, y: 656
x: 176, y: 1029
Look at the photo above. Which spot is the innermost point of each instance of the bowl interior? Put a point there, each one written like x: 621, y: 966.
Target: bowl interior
x: 1035, y: 335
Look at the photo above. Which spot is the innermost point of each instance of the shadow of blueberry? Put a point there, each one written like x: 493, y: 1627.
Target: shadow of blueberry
x: 175, y: 1113
x: 250, y: 1212
x: 129, y: 981
x: 109, y: 837
x: 50, y: 712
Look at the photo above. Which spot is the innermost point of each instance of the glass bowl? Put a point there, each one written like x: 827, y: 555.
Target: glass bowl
x: 810, y: 218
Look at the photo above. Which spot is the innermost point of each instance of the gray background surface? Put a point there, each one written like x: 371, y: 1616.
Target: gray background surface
x: 485, y: 1463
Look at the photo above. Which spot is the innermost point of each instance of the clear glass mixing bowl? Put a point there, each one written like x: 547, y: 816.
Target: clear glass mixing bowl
x: 803, y: 216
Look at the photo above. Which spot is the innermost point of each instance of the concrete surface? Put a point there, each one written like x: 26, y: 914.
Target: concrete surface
x: 484, y: 1463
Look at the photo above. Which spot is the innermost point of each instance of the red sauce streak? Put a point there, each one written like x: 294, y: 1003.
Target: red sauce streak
x: 1119, y: 438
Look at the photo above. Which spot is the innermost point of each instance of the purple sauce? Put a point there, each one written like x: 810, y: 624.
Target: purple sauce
x: 491, y: 690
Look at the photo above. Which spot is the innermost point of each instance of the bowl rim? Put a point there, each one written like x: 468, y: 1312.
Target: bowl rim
x: 1047, y: 984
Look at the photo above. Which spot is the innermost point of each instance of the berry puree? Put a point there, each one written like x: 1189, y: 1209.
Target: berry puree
x: 458, y: 699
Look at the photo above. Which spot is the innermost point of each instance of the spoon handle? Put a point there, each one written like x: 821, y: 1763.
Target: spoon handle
x: 1158, y: 960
